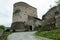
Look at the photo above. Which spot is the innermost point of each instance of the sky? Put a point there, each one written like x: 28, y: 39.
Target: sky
x: 6, y: 9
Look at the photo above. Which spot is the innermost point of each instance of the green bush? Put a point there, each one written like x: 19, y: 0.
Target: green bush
x: 2, y: 27
x: 47, y: 27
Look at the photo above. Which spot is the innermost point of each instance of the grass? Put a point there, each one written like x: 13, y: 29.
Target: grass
x: 53, y: 34
x: 5, y: 35
x: 1, y: 29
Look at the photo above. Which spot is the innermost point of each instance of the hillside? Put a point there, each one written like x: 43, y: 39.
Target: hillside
x: 54, y: 34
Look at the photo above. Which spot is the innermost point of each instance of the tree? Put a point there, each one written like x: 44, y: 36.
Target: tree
x: 58, y: 3
x: 2, y: 27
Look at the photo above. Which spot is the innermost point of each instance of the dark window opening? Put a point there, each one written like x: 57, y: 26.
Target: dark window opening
x: 14, y: 30
x: 17, y: 11
x: 56, y: 13
x: 31, y: 28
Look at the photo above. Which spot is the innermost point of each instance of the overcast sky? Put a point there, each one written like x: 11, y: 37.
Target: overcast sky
x: 6, y: 9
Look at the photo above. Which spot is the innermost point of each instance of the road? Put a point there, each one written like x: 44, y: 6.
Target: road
x: 24, y: 36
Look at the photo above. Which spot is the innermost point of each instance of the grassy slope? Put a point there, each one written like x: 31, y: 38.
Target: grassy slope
x: 5, y: 35
x: 54, y: 34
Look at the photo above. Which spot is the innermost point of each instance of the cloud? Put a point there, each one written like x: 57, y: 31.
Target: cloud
x: 5, y: 21
x: 5, y: 12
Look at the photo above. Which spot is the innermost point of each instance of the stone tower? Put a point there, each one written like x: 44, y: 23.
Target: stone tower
x: 21, y: 13
x: 52, y: 17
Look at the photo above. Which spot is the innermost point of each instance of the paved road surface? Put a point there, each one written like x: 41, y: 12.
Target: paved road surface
x: 24, y: 36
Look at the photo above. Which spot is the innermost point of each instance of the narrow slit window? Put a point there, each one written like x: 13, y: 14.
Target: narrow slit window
x: 56, y: 13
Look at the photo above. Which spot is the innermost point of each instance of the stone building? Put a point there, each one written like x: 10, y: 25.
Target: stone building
x: 24, y: 17
x: 52, y: 17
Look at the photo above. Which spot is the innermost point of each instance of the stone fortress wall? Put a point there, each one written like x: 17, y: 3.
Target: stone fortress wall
x: 52, y: 16
x: 24, y: 14
x: 25, y: 17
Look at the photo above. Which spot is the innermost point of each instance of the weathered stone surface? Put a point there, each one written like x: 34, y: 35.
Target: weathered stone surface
x: 52, y: 16
x: 18, y: 26
x: 26, y: 14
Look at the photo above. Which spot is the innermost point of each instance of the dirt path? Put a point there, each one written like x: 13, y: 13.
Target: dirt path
x: 24, y: 36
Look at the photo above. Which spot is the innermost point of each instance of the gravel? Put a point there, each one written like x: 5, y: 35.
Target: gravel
x: 24, y: 36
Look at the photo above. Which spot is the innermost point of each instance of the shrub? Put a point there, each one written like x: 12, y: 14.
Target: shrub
x: 2, y: 27
x: 7, y: 30
x: 47, y: 27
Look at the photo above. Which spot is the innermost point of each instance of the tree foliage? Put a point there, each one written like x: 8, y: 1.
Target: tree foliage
x: 2, y: 27
x: 58, y: 3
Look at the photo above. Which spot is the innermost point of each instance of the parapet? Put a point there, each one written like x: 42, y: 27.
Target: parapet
x: 22, y: 4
